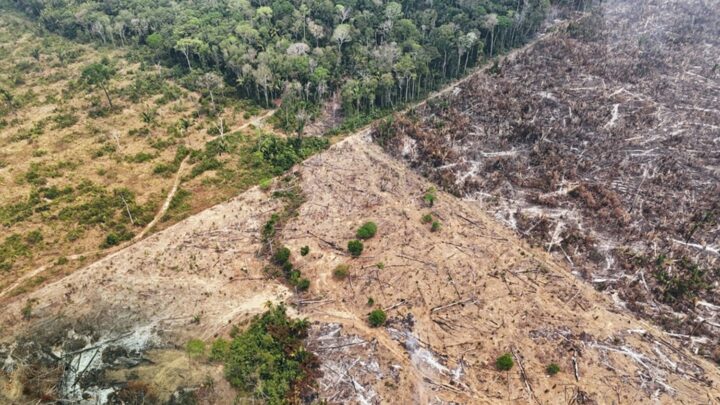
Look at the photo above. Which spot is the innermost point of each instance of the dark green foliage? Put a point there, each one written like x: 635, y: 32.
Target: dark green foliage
x: 355, y: 247
x: 99, y: 75
x: 268, y: 230
x: 435, y: 226
x: 302, y: 53
x: 367, y: 231
x: 504, y: 362
x: 269, y: 361
x: 282, y: 256
x: 116, y: 237
x: 304, y: 250
x: 377, y: 318
x: 303, y: 284
x: 281, y: 154
x: 552, y: 369
x: 427, y: 218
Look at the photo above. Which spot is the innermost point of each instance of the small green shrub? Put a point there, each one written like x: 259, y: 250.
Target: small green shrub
x: 341, y: 272
x: 304, y: 250
x: 435, y: 226
x: 370, y: 301
x: 430, y: 196
x: 195, y: 348
x: 377, y: 318
x: 504, y: 362
x: 303, y: 284
x: 426, y: 219
x: 281, y: 256
x: 367, y: 231
x: 355, y: 247
x: 140, y: 157
x: 265, y: 184
x: 552, y: 369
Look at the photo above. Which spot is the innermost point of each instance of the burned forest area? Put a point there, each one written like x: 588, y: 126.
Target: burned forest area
x: 599, y: 143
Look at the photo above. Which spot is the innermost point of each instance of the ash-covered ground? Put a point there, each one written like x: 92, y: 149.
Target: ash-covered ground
x: 601, y: 143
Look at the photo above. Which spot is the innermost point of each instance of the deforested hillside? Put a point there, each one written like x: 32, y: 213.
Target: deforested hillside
x: 599, y: 143
x: 434, y: 302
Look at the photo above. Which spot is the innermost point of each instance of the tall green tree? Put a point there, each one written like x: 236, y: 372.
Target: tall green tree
x: 99, y: 75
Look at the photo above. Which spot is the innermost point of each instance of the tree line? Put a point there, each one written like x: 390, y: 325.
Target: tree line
x: 373, y: 54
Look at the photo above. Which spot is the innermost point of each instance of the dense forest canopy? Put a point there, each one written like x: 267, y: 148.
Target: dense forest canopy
x: 374, y: 54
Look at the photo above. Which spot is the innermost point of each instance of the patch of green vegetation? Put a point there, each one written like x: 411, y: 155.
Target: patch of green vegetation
x: 426, y: 219
x: 140, y: 157
x: 282, y: 256
x: 377, y: 318
x: 64, y: 120
x: 355, y: 247
x: 552, y: 369
x: 685, y: 282
x: 430, y: 196
x: 278, y: 155
x: 341, y: 272
x: 504, y: 362
x: 219, y: 350
x: 269, y: 360
x: 367, y: 230
x: 304, y: 250
x: 195, y: 348
x: 268, y: 231
x: 179, y: 205
x: 12, y: 247
x: 38, y: 173
x: 435, y: 227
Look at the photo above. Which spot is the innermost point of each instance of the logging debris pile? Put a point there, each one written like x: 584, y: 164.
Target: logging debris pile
x: 600, y: 143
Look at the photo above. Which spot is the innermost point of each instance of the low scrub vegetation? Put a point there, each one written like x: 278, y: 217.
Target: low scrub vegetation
x: 504, y: 362
x: 355, y: 247
x: 366, y: 231
x: 377, y: 318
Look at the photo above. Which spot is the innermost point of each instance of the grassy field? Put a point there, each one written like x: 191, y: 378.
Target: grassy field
x: 80, y: 178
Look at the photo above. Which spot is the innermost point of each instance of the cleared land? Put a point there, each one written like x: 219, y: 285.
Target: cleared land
x: 456, y: 298
x: 600, y: 144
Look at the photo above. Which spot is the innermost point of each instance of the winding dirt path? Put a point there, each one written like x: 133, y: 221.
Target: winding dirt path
x: 166, y: 204
x: 139, y: 236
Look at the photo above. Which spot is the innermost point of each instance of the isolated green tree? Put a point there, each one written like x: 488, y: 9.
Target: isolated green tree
x: 98, y: 75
